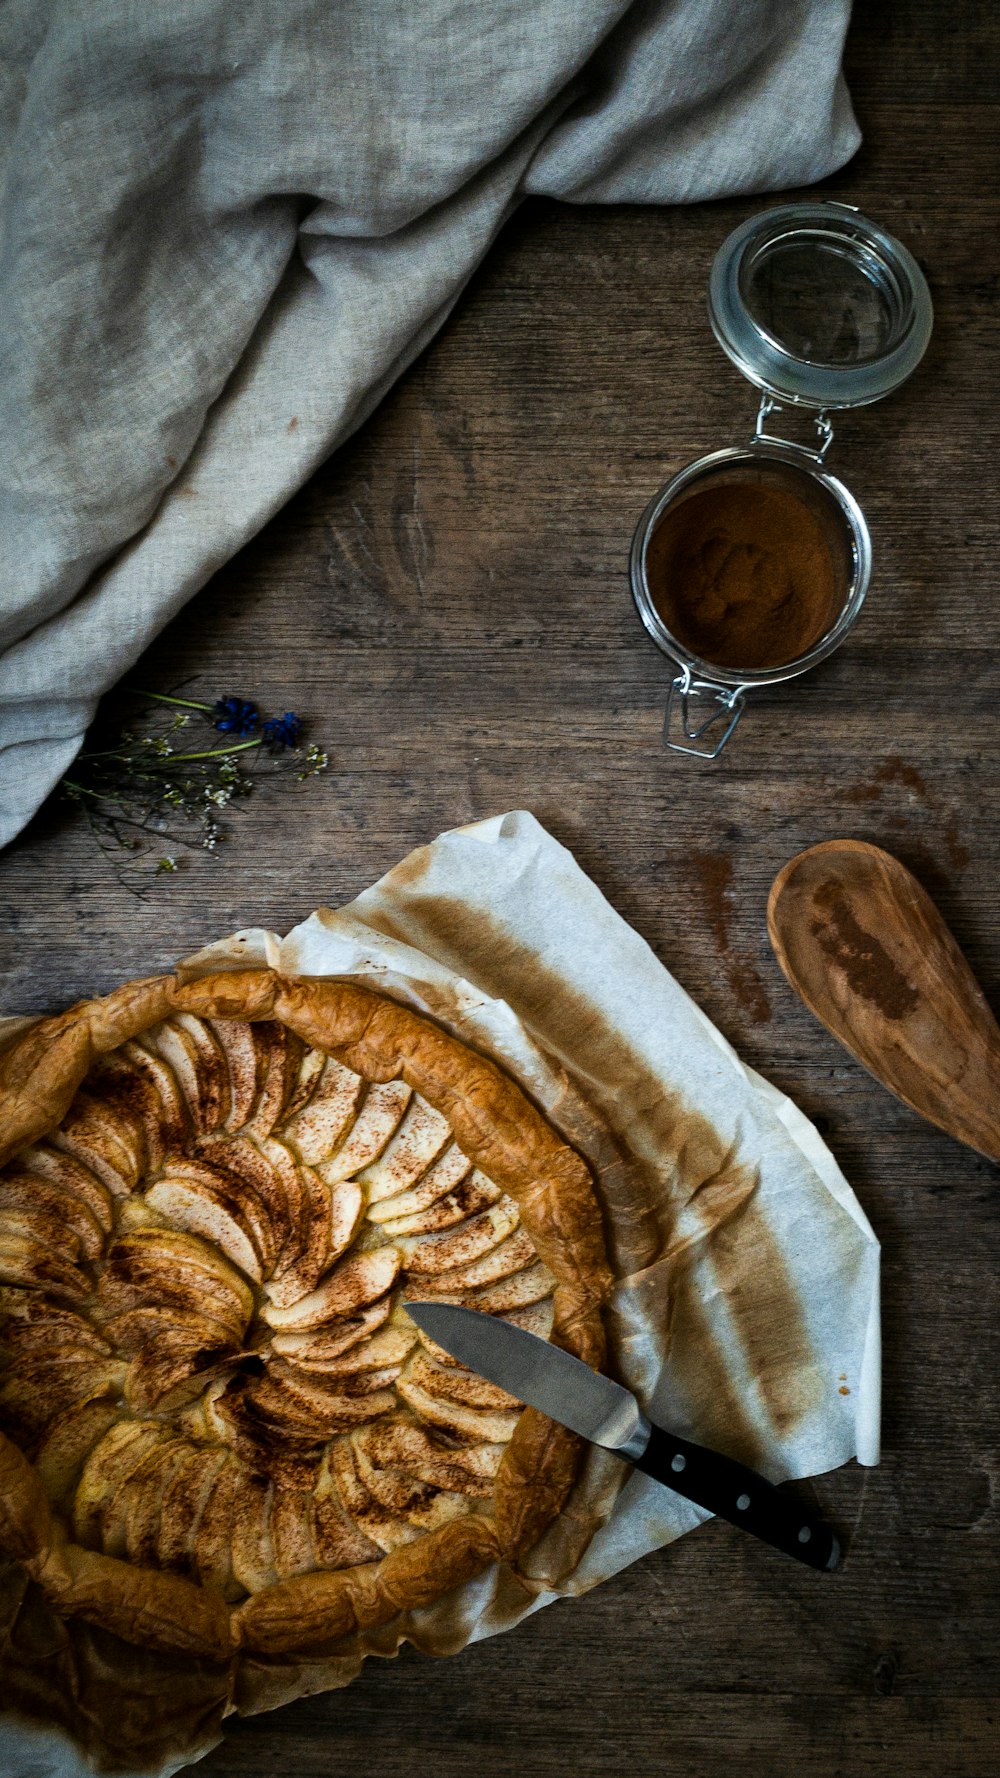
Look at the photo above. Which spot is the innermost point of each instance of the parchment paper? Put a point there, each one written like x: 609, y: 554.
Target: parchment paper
x: 745, y: 1313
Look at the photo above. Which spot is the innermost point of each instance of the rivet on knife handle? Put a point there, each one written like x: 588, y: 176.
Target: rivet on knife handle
x: 739, y: 1494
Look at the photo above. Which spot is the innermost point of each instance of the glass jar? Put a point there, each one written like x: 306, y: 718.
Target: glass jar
x: 822, y: 310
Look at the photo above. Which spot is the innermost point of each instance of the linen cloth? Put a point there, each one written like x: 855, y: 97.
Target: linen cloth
x: 221, y: 217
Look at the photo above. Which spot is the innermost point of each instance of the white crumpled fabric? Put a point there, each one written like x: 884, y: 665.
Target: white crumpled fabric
x: 228, y: 226
x: 746, y: 1308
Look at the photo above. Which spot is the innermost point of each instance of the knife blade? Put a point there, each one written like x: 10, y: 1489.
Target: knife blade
x: 563, y: 1387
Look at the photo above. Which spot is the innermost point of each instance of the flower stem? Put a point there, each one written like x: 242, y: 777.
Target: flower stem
x: 81, y: 789
x: 183, y: 703
x: 219, y: 752
x: 156, y: 833
x: 107, y: 753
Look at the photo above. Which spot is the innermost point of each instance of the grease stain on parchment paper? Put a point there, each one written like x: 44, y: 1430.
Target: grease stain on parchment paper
x: 765, y: 1308
x: 683, y: 1196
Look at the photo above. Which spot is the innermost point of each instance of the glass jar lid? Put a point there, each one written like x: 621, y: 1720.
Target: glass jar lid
x: 819, y: 306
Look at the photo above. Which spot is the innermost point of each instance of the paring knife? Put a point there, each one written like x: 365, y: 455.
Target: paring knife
x: 567, y: 1390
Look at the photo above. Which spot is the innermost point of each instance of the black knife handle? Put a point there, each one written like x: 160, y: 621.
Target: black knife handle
x: 739, y: 1494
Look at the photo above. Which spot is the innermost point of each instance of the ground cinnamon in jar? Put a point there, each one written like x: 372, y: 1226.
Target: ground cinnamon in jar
x: 743, y: 575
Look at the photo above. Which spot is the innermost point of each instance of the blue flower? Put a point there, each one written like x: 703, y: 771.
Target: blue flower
x: 234, y: 716
x: 282, y: 731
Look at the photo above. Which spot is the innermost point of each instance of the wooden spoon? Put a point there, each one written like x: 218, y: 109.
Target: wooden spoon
x: 870, y: 955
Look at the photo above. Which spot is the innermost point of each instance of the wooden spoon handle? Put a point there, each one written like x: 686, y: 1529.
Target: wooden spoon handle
x: 868, y: 951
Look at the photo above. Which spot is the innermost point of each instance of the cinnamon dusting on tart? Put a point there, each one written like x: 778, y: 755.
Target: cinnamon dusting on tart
x: 217, y: 1201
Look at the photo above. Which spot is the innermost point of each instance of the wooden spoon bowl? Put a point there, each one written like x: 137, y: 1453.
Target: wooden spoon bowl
x: 866, y: 948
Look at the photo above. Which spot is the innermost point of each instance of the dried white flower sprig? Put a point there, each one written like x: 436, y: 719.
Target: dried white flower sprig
x: 154, y: 788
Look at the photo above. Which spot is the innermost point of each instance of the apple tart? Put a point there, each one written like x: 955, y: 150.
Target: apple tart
x: 219, y: 1428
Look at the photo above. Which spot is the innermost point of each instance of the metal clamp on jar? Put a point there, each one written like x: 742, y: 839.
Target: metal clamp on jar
x: 822, y: 310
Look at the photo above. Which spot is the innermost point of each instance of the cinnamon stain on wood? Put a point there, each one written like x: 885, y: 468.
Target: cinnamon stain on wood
x: 895, y: 771
x: 715, y: 873
x: 956, y: 848
x: 862, y: 958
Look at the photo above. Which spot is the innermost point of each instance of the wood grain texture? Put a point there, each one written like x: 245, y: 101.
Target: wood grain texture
x: 866, y: 948
x: 448, y: 601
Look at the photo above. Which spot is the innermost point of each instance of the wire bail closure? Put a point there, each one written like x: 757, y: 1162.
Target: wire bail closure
x: 769, y: 404
x: 718, y: 702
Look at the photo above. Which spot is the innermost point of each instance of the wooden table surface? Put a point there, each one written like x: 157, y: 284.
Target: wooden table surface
x: 448, y: 603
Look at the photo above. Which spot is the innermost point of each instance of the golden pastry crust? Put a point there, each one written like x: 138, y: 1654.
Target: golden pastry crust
x: 528, y: 1196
